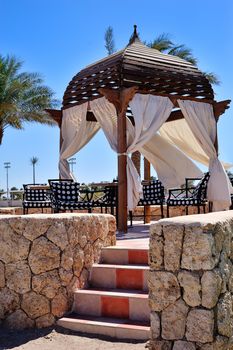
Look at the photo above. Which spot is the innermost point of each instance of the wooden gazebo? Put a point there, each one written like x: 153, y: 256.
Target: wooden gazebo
x: 137, y: 68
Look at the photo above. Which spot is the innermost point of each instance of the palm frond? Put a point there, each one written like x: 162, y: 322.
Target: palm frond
x: 212, y: 77
x: 162, y: 43
x: 23, y: 96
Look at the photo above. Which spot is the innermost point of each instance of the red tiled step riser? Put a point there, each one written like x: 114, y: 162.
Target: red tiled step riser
x: 119, y: 277
x: 124, y: 256
x: 133, y: 308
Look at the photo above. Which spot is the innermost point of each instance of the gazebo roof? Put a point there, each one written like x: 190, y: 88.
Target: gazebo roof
x: 138, y: 65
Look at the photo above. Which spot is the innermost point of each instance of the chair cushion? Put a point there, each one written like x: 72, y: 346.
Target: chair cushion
x: 185, y: 201
x: 65, y: 191
x: 63, y: 205
x: 36, y: 195
x: 37, y: 204
x: 150, y: 201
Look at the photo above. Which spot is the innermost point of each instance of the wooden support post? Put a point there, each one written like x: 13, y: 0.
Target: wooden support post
x: 147, y: 178
x: 121, y: 99
x: 122, y: 174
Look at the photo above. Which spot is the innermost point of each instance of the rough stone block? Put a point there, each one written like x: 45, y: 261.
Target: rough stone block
x: 173, y: 236
x: 44, y: 256
x: 155, y: 325
x: 174, y: 320
x: 18, y: 320
x: 164, y: 289
x: 211, y: 283
x: 60, y: 304
x: 35, y: 305
x: 2, y: 275
x: 45, y: 321
x: 18, y: 276
x: 159, y: 345
x: 9, y: 301
x: 156, y: 229
x: 156, y: 252
x: 58, y: 235
x: 190, y: 282
x: 35, y: 227
x: 47, y: 283
x: 198, y: 250
x: 13, y: 247
x: 225, y: 315
x: 183, y: 345
x: 200, y: 326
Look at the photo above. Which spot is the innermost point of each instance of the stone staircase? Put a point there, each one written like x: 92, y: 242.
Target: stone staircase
x: 116, y: 302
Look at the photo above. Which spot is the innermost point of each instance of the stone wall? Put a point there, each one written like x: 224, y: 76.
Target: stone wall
x: 43, y: 259
x: 138, y: 212
x: 191, y: 282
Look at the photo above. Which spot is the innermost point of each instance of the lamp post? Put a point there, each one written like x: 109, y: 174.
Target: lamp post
x: 7, y: 166
x: 72, y: 162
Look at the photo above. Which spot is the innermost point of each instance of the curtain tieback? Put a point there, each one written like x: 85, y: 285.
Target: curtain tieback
x: 122, y: 154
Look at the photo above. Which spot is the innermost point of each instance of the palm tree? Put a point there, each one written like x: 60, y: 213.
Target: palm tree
x: 23, y: 97
x: 34, y: 161
x: 109, y: 40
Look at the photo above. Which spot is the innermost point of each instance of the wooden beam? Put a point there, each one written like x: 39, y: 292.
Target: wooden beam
x: 56, y: 114
x: 174, y: 98
x: 220, y: 107
x: 121, y: 99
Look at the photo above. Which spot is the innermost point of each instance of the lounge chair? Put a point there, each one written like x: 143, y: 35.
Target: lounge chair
x: 189, y: 196
x: 35, y: 197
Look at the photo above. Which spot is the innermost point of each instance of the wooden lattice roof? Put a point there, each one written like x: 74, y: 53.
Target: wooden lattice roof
x: 138, y: 65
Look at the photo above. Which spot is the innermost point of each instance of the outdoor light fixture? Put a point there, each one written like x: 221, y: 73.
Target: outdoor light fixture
x: 72, y: 162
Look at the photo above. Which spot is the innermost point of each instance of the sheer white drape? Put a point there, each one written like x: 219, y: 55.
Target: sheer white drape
x: 150, y: 112
x: 179, y: 133
x: 76, y: 133
x: 201, y: 120
x: 172, y: 166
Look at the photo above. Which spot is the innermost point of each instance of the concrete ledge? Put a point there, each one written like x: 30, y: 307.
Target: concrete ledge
x: 43, y: 259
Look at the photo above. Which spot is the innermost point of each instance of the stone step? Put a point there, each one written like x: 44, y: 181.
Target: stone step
x: 132, y: 305
x: 112, y: 276
x: 112, y: 327
x: 123, y: 255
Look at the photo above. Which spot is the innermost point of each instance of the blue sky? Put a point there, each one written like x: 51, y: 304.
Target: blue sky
x: 57, y: 38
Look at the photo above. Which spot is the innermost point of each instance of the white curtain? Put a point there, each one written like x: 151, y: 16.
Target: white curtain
x: 76, y: 133
x: 179, y: 133
x: 172, y: 166
x: 150, y: 112
x: 201, y: 120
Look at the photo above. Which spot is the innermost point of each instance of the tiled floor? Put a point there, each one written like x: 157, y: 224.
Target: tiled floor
x: 138, y: 230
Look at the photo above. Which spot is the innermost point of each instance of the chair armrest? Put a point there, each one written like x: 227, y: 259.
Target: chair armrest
x: 176, y: 192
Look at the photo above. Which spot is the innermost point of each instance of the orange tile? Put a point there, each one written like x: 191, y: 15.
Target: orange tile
x: 138, y: 256
x: 115, y: 307
x: 129, y: 279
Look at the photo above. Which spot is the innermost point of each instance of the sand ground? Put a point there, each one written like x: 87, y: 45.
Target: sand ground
x: 60, y: 339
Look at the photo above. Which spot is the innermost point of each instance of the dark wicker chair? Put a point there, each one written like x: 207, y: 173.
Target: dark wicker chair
x: 67, y: 195
x: 189, y: 196
x: 153, y: 194
x: 108, y: 200
x: 35, y: 197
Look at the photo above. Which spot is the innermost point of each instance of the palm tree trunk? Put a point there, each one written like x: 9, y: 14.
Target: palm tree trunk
x: 136, y: 158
